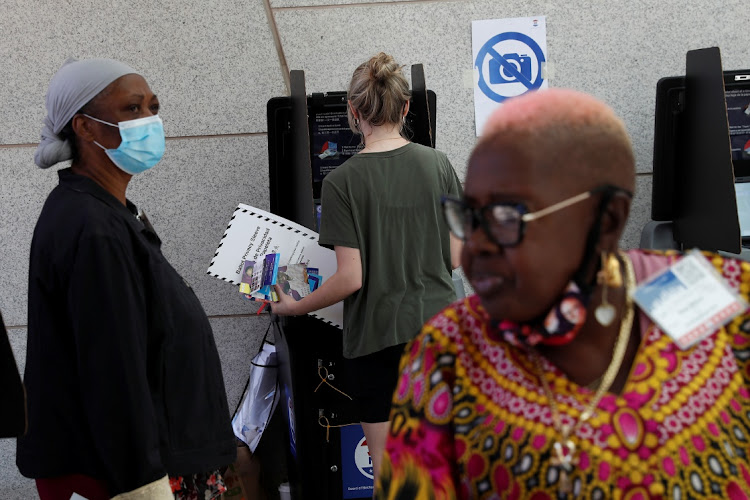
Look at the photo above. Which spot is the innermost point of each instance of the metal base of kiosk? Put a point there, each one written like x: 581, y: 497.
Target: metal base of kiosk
x: 313, y: 387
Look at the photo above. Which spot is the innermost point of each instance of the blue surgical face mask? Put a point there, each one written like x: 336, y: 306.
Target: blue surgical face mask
x: 142, y: 144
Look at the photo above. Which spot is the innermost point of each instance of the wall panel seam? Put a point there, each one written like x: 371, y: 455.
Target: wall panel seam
x: 365, y: 4
x: 215, y: 316
x: 277, y: 42
x: 173, y: 138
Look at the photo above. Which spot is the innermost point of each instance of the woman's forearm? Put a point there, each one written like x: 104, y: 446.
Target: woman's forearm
x: 334, y: 289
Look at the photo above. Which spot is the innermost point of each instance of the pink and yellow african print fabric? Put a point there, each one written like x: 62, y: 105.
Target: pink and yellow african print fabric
x: 471, y: 420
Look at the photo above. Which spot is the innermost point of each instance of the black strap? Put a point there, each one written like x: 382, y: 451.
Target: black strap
x: 263, y: 343
x: 247, y: 384
x: 589, y: 254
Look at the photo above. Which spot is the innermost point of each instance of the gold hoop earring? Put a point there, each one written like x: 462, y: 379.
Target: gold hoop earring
x: 609, y: 275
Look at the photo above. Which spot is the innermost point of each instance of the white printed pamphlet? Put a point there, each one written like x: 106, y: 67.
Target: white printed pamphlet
x: 253, y: 233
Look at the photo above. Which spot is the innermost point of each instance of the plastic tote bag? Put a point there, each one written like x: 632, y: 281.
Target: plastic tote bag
x: 259, y: 399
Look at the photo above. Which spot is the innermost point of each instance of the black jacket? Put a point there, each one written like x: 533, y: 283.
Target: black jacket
x: 122, y: 373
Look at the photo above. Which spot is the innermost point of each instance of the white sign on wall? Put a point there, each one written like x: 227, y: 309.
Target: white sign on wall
x: 509, y: 60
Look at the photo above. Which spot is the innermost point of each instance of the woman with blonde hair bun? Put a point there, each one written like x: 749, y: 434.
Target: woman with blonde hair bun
x: 382, y: 216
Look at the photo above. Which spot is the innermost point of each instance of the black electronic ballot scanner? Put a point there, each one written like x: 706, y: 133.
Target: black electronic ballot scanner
x: 308, y: 137
x: 701, y: 179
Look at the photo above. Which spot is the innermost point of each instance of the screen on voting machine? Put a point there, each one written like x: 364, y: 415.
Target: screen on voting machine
x: 737, y: 93
x: 742, y: 189
x: 738, y: 114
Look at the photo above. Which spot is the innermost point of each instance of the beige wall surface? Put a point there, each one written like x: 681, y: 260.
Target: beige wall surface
x: 215, y: 64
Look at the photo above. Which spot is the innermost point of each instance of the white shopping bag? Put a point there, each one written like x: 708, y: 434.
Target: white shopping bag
x: 259, y: 400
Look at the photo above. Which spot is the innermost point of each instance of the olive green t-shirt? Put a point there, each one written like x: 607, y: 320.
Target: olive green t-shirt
x: 388, y: 206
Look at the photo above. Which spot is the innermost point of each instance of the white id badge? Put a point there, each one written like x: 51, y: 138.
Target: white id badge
x: 689, y: 300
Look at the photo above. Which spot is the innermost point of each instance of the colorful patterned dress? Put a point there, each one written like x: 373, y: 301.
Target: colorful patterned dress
x: 471, y: 420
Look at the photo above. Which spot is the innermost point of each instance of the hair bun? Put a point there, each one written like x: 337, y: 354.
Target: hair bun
x: 382, y: 67
x: 378, y: 92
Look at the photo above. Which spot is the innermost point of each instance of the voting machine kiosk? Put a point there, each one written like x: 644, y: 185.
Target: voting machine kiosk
x: 701, y: 188
x: 309, y: 136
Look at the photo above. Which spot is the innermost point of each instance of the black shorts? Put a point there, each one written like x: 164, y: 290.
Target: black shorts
x: 372, y: 381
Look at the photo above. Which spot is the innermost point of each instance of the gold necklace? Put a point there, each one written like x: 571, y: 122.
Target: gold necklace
x: 566, y: 454
x: 367, y: 143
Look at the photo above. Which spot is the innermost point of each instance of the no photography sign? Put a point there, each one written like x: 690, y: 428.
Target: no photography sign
x: 509, y: 60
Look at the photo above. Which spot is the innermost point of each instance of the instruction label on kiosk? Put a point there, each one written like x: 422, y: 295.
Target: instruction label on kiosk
x: 688, y: 300
x: 509, y: 57
x: 253, y: 233
x: 332, y: 142
x: 738, y: 113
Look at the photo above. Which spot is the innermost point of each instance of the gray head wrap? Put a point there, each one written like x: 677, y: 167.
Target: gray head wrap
x: 75, y: 84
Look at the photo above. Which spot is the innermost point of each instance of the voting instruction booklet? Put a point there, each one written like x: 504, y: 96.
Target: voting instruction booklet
x: 252, y: 234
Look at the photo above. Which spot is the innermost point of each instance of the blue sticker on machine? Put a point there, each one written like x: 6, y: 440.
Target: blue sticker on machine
x: 356, y: 463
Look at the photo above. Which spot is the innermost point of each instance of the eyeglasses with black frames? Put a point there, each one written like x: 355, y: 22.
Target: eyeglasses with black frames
x: 505, y: 223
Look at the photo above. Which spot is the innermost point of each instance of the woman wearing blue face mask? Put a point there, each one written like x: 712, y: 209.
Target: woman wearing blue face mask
x: 125, y: 391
